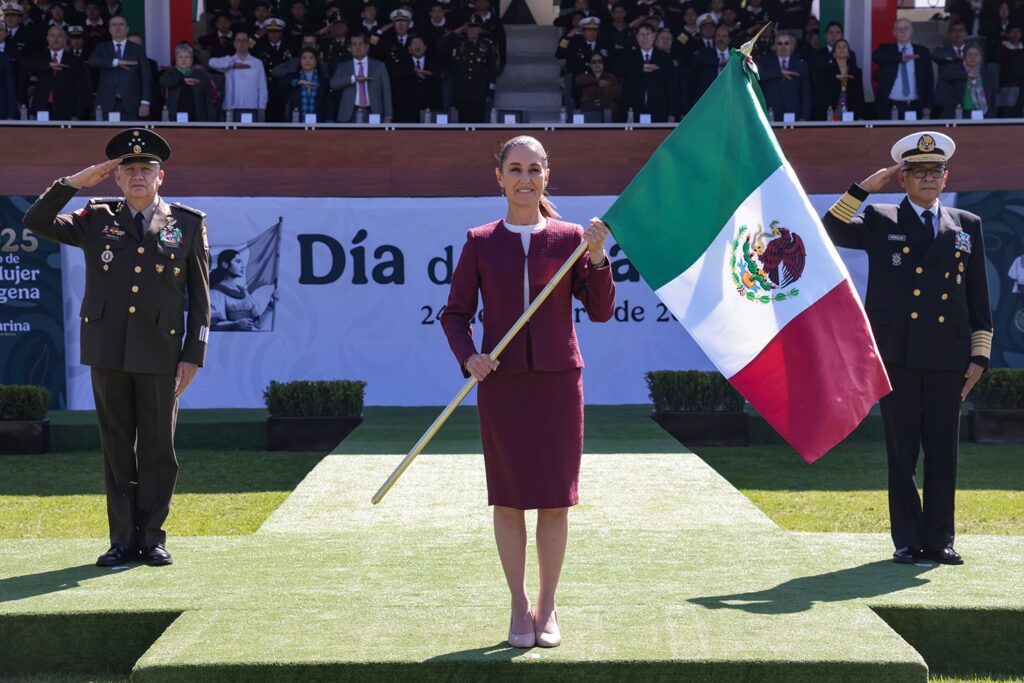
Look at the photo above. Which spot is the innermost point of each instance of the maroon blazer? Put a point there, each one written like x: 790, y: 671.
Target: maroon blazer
x: 492, y: 264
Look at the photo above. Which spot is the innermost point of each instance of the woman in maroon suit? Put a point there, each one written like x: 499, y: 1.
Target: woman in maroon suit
x: 531, y: 403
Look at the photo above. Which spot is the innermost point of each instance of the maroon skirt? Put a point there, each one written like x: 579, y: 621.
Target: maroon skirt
x: 531, y: 424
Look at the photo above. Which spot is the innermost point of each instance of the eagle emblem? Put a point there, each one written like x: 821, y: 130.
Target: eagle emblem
x: 926, y: 143
x: 765, y: 263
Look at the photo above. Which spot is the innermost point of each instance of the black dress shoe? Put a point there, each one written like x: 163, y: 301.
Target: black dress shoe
x: 946, y: 555
x: 906, y: 555
x: 117, y: 555
x: 157, y: 556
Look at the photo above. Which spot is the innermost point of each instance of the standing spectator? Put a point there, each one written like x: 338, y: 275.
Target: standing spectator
x: 436, y: 28
x: 76, y: 43
x: 393, y: 45
x: 18, y: 35
x: 418, y: 85
x: 112, y: 9
x: 949, y: 89
x: 844, y: 91
x: 236, y: 14
x: 492, y: 29
x: 474, y: 68
x: 689, y: 28
x: 125, y: 83
x: 8, y: 84
x: 368, y: 21
x: 823, y: 71
x: 1010, y: 54
x: 708, y: 61
x: 905, y: 78
x: 309, y: 88
x: 811, y: 40
x: 731, y: 21
x: 599, y: 91
x: 980, y: 86
x: 647, y: 75
x: 363, y: 84
x: 76, y: 12
x: 973, y: 14
x: 680, y: 80
x: 786, y: 80
x: 791, y: 15
x: 995, y: 29
x: 157, y: 102
x: 221, y: 41
x: 335, y: 49
x: 272, y: 51
x: 245, y: 81
x: 95, y: 26
x: 188, y: 87
x: 298, y: 25
x: 260, y: 14
x: 754, y: 16
x: 62, y: 81
x: 580, y: 49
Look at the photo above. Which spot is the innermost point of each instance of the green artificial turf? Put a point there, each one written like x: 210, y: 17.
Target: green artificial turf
x: 846, y: 489
x: 61, y: 495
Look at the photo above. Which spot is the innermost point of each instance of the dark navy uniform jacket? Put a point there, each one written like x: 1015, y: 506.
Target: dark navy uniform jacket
x: 928, y: 306
x: 133, y: 311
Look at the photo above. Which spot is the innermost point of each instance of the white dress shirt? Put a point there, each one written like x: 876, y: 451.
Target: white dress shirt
x: 243, y: 88
x: 897, y: 88
x: 525, y: 232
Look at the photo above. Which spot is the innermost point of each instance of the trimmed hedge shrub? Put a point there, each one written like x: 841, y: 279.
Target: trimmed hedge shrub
x: 999, y: 388
x: 334, y: 398
x: 692, y: 391
x: 23, y: 402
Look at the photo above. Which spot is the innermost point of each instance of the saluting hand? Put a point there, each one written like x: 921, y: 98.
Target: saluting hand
x: 973, y: 374
x: 595, y: 235
x: 94, y: 175
x: 877, y: 180
x: 480, y: 365
x: 186, y: 373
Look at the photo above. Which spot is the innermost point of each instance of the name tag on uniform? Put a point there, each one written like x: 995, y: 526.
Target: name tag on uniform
x: 897, y: 238
x: 962, y: 242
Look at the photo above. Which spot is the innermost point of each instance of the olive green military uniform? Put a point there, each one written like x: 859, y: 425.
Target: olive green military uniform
x: 134, y: 332
x: 474, y: 67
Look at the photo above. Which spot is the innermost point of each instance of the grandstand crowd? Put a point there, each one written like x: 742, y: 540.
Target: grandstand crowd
x: 354, y: 60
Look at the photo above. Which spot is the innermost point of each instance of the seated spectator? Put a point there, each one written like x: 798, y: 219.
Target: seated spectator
x: 981, y: 85
x: 905, y: 79
x: 188, y: 87
x: 63, y: 86
x: 418, y: 85
x: 363, y: 84
x: 599, y: 91
x: 1010, y: 54
x: 845, y: 91
x: 647, y: 86
x: 786, y: 80
x: 950, y: 60
x: 245, y: 81
x: 309, y: 88
x: 580, y: 49
x: 221, y: 41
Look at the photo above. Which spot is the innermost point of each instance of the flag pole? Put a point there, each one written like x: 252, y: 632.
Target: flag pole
x: 499, y: 347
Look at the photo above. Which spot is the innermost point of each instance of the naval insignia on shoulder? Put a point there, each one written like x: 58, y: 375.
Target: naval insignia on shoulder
x: 962, y: 242
x: 179, y: 205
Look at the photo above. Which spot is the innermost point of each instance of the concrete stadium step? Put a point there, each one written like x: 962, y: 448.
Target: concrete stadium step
x: 530, y: 81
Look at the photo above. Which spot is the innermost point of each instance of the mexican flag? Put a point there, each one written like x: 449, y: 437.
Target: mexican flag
x: 720, y: 228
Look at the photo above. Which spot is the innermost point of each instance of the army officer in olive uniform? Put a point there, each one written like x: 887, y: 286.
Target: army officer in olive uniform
x: 144, y: 259
x: 474, y: 65
x: 928, y: 305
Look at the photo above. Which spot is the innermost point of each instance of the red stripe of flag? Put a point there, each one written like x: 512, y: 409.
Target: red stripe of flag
x: 819, y: 376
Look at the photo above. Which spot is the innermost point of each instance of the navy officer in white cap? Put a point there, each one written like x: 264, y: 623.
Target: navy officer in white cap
x: 928, y: 305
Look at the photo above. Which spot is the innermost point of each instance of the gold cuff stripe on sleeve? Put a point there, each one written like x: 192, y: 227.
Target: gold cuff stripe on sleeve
x: 981, y: 344
x: 841, y: 212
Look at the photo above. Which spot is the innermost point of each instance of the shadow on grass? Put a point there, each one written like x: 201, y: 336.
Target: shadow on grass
x: 499, y: 652
x: 54, y: 581
x: 800, y: 594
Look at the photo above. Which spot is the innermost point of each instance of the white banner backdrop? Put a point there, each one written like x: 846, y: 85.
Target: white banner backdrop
x: 359, y: 287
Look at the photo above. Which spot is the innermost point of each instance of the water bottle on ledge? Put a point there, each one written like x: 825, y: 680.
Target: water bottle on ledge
x: 830, y: 115
x: 99, y: 113
x: 295, y: 115
x: 23, y: 113
x: 427, y: 116
x: 630, y: 117
x: 959, y: 114
x: 494, y: 115
x: 771, y: 115
x: 563, y: 115
x: 895, y: 113
x: 164, y: 114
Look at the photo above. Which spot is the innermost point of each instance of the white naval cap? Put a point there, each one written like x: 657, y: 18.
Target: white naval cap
x: 924, y: 147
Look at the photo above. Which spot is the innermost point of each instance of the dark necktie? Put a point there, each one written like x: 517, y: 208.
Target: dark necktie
x: 927, y: 228
x: 119, y: 50
x: 140, y: 225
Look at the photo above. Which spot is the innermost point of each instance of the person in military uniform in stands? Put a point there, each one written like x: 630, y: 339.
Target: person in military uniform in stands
x: 392, y: 44
x: 474, y: 64
x: 928, y: 305
x: 144, y: 260
x: 578, y: 50
x: 273, y: 51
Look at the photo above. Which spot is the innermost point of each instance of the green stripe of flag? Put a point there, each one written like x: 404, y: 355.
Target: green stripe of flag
x: 693, y: 183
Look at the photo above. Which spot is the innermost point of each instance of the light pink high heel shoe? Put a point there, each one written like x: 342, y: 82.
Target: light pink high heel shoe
x: 549, y: 638
x: 522, y: 640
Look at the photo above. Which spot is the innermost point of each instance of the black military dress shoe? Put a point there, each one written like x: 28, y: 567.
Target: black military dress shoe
x: 946, y: 555
x: 157, y: 556
x: 906, y: 555
x: 117, y: 555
